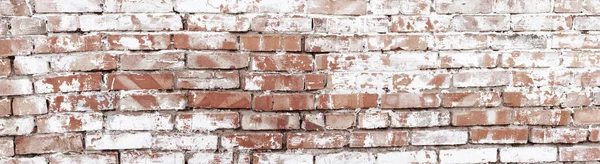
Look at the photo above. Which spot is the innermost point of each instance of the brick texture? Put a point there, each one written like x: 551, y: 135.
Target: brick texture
x: 299, y: 81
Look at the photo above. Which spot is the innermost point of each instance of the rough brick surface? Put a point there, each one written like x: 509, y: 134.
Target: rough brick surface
x: 299, y: 81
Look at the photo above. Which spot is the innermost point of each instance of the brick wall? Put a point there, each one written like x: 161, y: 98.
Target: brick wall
x: 299, y: 81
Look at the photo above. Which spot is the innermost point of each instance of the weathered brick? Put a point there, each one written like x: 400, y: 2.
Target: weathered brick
x: 62, y: 23
x: 282, y: 157
x: 270, y: 42
x: 481, y: 23
x: 152, y: 157
x: 499, y: 135
x: 139, y: 121
x: 453, y: 59
x: 27, y: 26
x: 108, y: 141
x: 139, y: 41
x: 542, y: 117
x: 437, y: 23
x: 336, y: 25
x: 192, y: 79
x: 475, y: 155
x: 346, y: 101
x: 29, y: 106
x: 134, y: 81
x: 15, y: 87
x: 379, y: 139
x: 275, y: 82
x: 210, y: 60
x: 207, y: 121
x: 15, y: 46
x: 531, y: 98
x: 471, y: 99
x: 199, y: 41
x: 184, y: 141
x: 26, y: 65
x: 68, y: 83
x: 558, y: 135
x: 541, y: 22
x: 89, y: 101
x: 410, y: 100
x: 576, y: 6
x: 5, y: 107
x: 481, y: 117
x: 281, y: 62
x: 578, y: 153
x: 217, y: 23
x: 422, y: 156
x: 279, y: 102
x: 200, y: 157
x: 342, y: 120
x: 281, y: 23
x: 345, y: 157
x: 464, y: 6
x: 316, y: 140
x: 528, y: 154
x: 131, y: 22
x: 50, y: 143
x: 69, y: 122
x: 439, y: 137
x: 219, y: 99
x: 17, y: 8
x: 152, y: 61
x: 522, y: 6
x: 395, y: 7
x: 259, y: 141
x: 481, y: 78
x: 154, y: 101
x: 530, y: 59
x: 342, y: 7
x: 67, y: 43
x: 270, y: 121
x: 419, y: 119
x: 7, y: 147
x: 373, y: 119
x: 313, y: 121
x: 157, y: 6
x: 110, y: 157
x: 84, y: 62
x: 208, y: 6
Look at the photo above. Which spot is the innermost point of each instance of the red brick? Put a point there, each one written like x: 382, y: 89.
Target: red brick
x: 68, y: 83
x: 586, y: 116
x: 68, y: 43
x: 558, y: 135
x: 410, y: 100
x: 154, y: 101
x: 481, y: 117
x: 219, y: 100
x: 16, y: 46
x: 316, y: 140
x: 407, y: 81
x: 531, y: 98
x: 471, y: 99
x: 5, y: 107
x: 139, y: 41
x: 152, y: 61
x: 346, y: 101
x: 260, y: 141
x: 542, y: 117
x: 84, y: 62
x: 270, y: 42
x: 199, y: 41
x: 207, y: 121
x: 342, y: 7
x: 109, y: 157
x: 5, y: 67
x: 154, y: 157
x: 29, y: 106
x: 577, y: 99
x: 51, y: 143
x: 379, y: 139
x: 345, y: 120
x: 217, y: 23
x: 313, y: 121
x: 281, y: 23
x: 594, y: 135
x: 210, y: 60
x: 279, y: 102
x: 278, y: 62
x: 91, y: 101
x: 130, y: 81
x: 373, y: 119
x: 200, y: 79
x: 314, y: 81
x: 62, y: 23
x: 276, y: 82
x: 270, y: 121
x: 69, y: 122
x: 579, y: 153
x: 498, y: 135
